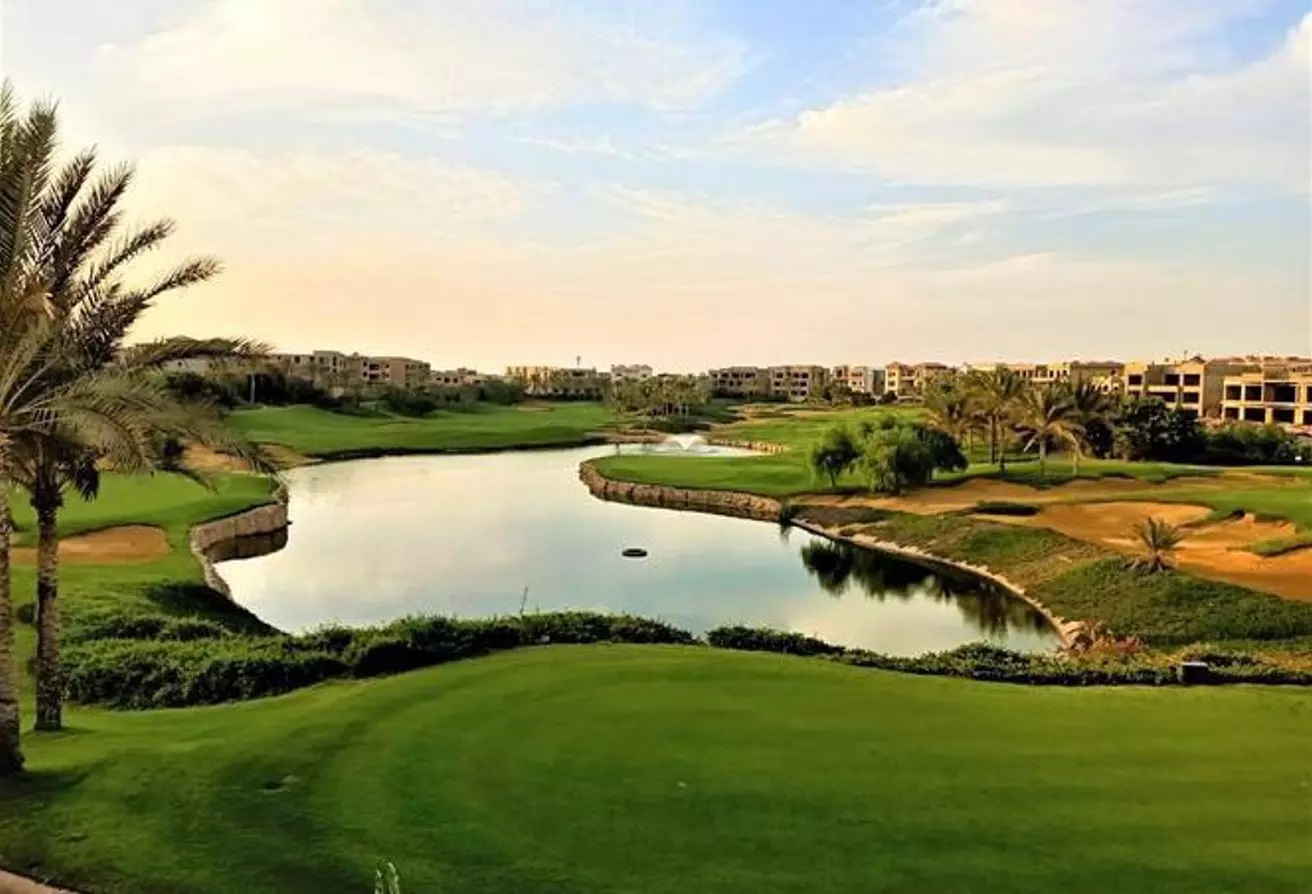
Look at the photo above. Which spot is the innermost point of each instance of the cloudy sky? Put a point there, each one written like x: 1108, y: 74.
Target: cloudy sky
x: 698, y: 182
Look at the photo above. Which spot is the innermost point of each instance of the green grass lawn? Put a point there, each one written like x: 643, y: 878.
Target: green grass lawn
x: 661, y: 769
x: 316, y: 432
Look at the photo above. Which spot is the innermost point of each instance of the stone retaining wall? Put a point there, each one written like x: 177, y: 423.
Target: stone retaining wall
x: 717, y: 502
x: 208, y: 538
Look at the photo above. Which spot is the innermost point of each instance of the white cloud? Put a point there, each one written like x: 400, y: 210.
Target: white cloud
x: 238, y: 203
x: 1066, y: 92
x: 433, y: 56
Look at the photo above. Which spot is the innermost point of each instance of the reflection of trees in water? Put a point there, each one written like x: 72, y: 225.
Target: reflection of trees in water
x: 839, y: 567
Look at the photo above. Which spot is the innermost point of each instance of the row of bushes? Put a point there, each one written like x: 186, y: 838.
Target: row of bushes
x: 138, y: 668
x: 140, y: 671
x: 980, y: 661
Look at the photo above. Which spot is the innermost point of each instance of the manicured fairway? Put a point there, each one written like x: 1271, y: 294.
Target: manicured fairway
x: 320, y: 433
x: 677, y: 770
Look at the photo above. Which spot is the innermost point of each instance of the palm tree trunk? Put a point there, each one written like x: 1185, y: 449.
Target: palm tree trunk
x: 49, y: 671
x: 1043, y: 460
x: 993, y: 440
x: 11, y: 754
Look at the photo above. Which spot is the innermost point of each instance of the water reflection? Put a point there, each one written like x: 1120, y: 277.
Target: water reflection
x: 841, y: 567
x: 375, y: 539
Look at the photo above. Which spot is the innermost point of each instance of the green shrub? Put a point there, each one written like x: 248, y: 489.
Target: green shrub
x: 152, y: 662
x: 763, y: 639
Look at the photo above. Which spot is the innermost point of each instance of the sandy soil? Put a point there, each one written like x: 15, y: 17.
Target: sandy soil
x: 125, y: 543
x: 1217, y: 550
x: 16, y: 884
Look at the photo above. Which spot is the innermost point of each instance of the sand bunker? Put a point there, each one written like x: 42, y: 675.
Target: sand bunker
x: 125, y: 543
x: 1217, y: 550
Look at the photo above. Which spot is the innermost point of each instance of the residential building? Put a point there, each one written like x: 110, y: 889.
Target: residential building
x: 335, y: 370
x: 1275, y: 395
x: 635, y: 372
x: 1072, y: 371
x: 573, y: 382
x: 456, y: 378
x: 1194, y: 385
x: 867, y: 380
x: 740, y: 381
x: 907, y: 381
x: 797, y: 382
x: 396, y: 372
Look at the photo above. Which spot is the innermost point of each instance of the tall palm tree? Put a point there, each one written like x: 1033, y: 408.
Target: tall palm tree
x: 951, y: 407
x: 1091, y: 405
x: 996, y: 393
x: 1046, y: 414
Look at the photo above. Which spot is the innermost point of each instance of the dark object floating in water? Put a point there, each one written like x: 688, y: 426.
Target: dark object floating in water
x: 634, y: 552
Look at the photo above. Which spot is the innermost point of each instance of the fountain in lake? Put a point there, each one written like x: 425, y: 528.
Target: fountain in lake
x: 682, y: 444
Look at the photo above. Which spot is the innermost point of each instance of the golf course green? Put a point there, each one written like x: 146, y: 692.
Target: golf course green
x: 668, y: 769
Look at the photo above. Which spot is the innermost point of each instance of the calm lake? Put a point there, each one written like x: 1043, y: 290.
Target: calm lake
x: 373, y: 540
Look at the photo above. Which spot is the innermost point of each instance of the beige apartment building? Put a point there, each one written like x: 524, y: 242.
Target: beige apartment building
x: 456, y: 378
x: 559, y: 381
x: 1275, y: 395
x: 1195, y: 385
x: 797, y: 382
x: 868, y: 380
x: 740, y: 381
x: 907, y: 381
x: 333, y: 369
x: 630, y: 372
x: 1101, y: 372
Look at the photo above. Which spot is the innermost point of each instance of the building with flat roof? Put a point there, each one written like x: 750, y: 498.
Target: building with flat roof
x: 797, y: 382
x: 569, y: 382
x: 867, y: 380
x: 1276, y: 395
x: 632, y: 372
x: 1072, y: 371
x: 1194, y: 386
x: 907, y: 381
x: 740, y: 381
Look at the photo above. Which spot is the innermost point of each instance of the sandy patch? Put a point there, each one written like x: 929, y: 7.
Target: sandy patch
x: 1218, y: 550
x: 122, y: 544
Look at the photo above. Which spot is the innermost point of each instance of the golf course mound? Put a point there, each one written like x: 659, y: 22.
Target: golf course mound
x: 673, y: 769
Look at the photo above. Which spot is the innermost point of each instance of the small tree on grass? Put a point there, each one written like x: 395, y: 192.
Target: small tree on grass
x: 1159, y: 539
x: 834, y: 454
x: 896, y: 459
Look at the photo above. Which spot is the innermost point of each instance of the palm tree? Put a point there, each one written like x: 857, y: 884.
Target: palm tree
x: 1047, y: 414
x: 950, y: 407
x: 1160, y: 539
x: 995, y: 393
x: 71, y: 394
x: 1091, y: 405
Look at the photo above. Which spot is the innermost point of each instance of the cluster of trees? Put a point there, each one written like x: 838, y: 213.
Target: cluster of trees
x: 664, y: 397
x: 74, y: 396
x: 891, y: 455
x: 1008, y: 413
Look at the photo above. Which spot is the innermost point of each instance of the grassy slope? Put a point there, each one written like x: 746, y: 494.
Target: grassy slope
x: 620, y: 769
x: 320, y: 433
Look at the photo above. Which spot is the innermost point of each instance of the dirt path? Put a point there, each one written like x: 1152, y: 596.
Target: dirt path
x: 111, y: 546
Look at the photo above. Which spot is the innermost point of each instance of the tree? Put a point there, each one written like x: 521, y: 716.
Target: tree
x: 950, y: 407
x: 1159, y: 539
x: 1047, y: 414
x: 834, y: 454
x: 996, y: 393
x: 1094, y: 409
x: 1147, y: 429
x: 74, y: 394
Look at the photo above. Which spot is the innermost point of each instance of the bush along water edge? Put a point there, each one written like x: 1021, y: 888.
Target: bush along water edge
x: 190, y: 669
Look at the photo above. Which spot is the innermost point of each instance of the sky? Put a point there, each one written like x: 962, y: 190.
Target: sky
x: 694, y: 183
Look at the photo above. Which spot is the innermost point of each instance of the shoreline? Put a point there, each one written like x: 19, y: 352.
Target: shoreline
x: 758, y: 508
